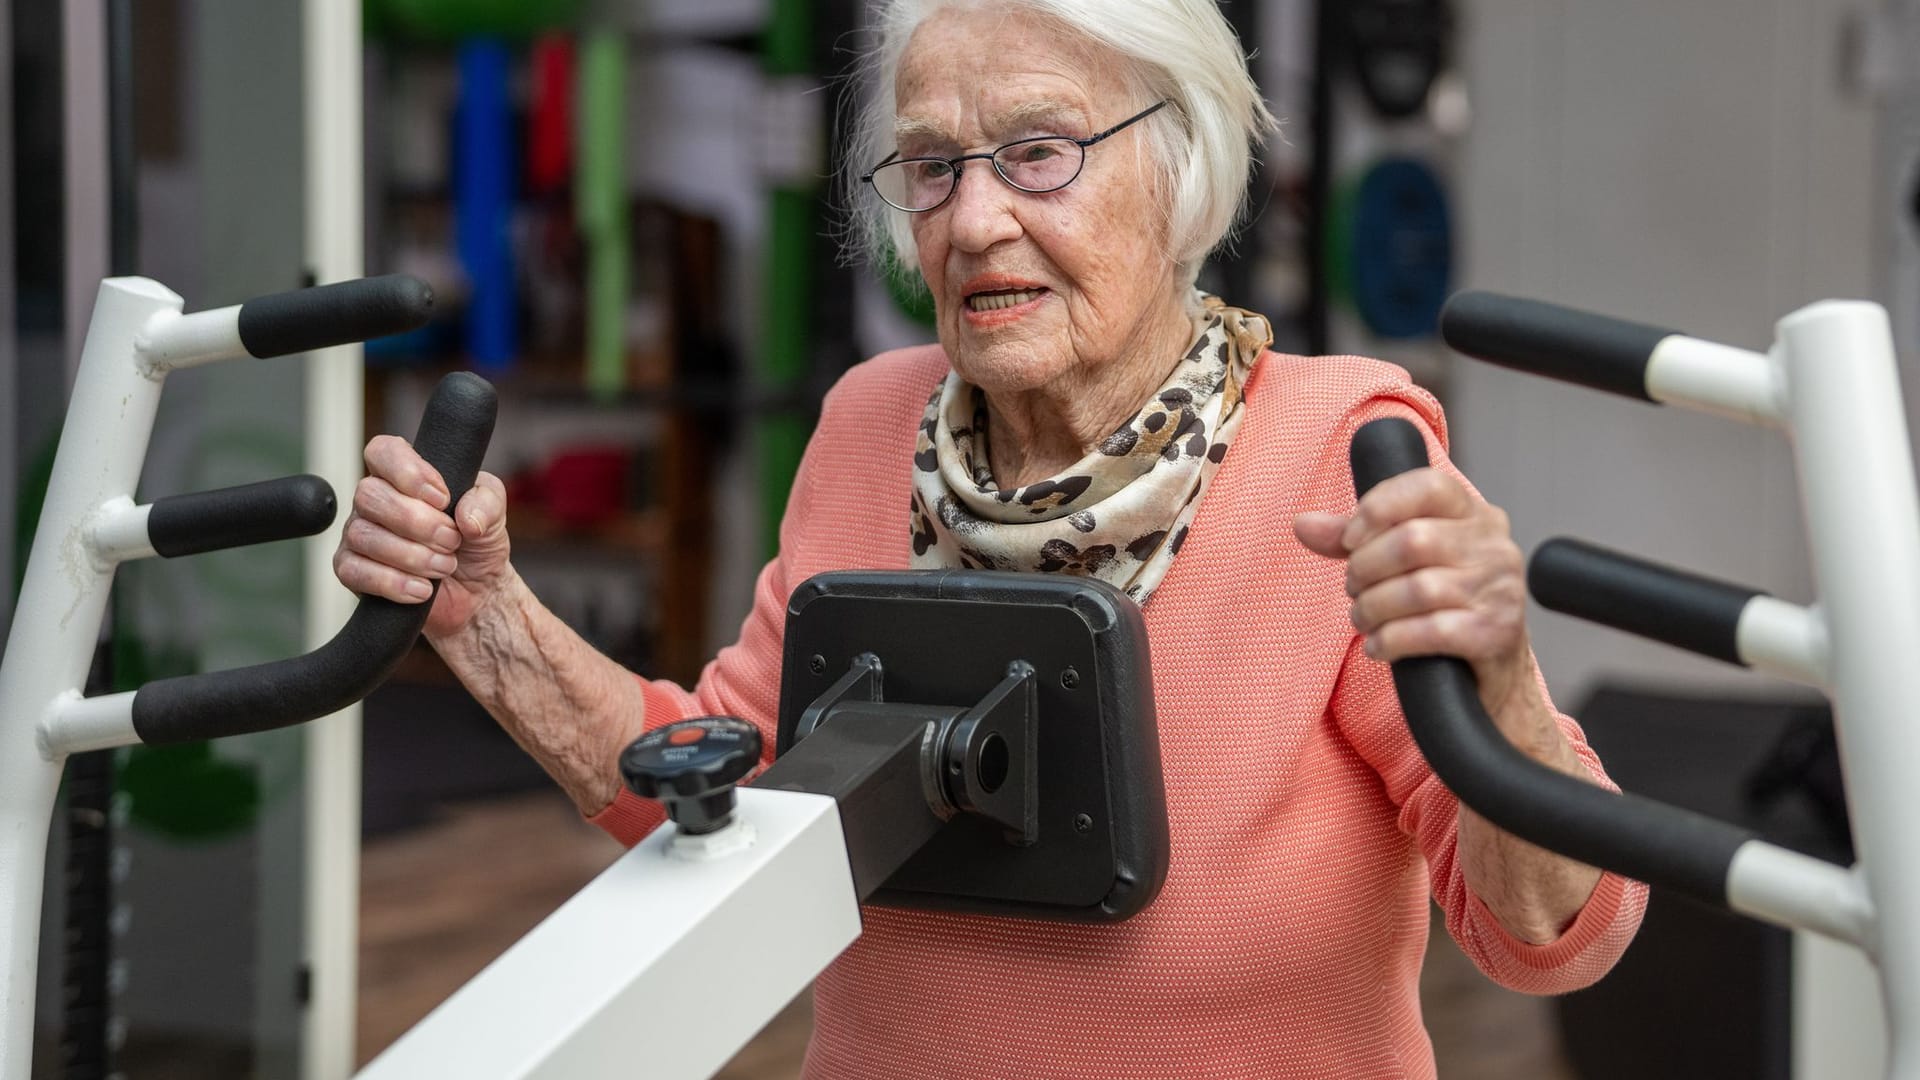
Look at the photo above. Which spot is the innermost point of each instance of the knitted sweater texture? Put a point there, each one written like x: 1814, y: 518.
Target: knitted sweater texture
x: 1288, y: 939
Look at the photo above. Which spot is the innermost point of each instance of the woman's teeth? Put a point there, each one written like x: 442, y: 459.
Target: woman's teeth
x: 996, y: 301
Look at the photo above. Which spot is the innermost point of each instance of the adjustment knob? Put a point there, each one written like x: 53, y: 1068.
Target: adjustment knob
x: 691, y: 766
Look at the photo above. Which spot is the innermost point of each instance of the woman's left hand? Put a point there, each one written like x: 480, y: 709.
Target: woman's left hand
x: 1432, y: 570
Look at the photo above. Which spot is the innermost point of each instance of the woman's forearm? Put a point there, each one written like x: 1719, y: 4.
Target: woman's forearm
x: 563, y: 701
x: 1535, y: 893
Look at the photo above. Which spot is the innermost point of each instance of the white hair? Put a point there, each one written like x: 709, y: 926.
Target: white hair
x: 1181, y: 51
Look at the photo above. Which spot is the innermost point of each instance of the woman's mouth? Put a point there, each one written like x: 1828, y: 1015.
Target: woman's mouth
x: 999, y: 299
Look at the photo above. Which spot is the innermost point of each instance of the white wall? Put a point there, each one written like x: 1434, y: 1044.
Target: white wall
x: 1692, y: 164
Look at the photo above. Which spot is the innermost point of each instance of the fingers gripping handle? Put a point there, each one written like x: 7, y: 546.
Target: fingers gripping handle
x: 1637, y: 837
x: 453, y: 437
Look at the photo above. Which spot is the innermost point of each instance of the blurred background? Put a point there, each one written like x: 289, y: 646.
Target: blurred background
x: 624, y: 210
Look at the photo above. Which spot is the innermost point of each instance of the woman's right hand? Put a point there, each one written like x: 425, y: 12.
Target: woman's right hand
x: 398, y: 538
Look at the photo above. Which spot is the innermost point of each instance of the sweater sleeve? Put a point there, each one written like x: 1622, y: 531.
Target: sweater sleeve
x: 1367, y: 711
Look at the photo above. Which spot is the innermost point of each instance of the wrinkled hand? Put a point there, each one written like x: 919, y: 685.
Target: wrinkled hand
x: 1434, y: 571
x: 398, y: 538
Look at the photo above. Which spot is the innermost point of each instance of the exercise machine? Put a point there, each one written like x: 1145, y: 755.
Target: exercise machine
x: 90, y: 524
x: 1829, y: 383
x: 958, y: 740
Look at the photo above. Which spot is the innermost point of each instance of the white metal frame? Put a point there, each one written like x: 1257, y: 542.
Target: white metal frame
x: 1830, y: 383
x: 664, y: 966
x: 88, y: 525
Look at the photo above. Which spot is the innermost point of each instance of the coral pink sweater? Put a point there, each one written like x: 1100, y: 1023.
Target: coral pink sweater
x: 1287, y: 941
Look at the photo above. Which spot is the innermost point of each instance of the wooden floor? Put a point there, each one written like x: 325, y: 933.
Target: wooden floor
x: 438, y: 902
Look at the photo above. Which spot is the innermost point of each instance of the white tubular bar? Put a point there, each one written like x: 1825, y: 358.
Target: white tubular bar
x: 174, y: 341
x: 1715, y: 378
x: 332, y: 102
x: 120, y: 532
x: 1786, y: 888
x: 1784, y: 640
x: 57, y: 620
x: 661, y: 968
x: 75, y: 723
x: 1850, y: 441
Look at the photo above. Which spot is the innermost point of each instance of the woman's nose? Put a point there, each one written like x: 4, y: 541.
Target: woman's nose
x: 980, y: 213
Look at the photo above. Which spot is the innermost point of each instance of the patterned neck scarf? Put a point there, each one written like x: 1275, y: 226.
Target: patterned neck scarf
x: 1121, y: 513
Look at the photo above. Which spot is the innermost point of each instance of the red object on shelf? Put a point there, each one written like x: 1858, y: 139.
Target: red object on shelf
x: 550, y: 115
x: 586, y: 486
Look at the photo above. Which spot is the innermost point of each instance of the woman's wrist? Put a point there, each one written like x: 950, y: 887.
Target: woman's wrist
x: 498, y: 603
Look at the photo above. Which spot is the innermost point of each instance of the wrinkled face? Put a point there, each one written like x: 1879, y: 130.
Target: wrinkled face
x: 1027, y: 287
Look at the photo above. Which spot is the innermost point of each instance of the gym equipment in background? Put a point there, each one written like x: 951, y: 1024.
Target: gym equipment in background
x: 1830, y: 383
x: 90, y: 524
x: 963, y: 740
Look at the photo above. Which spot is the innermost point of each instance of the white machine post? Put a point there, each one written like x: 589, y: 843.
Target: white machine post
x: 330, y: 785
x: 1851, y: 446
x: 664, y: 966
x: 57, y: 620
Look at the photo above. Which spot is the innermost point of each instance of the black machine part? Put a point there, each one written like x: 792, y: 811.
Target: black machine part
x: 1637, y: 837
x: 872, y: 761
x: 1023, y: 708
x: 897, y: 771
x: 692, y: 766
x: 338, y: 314
x: 1580, y: 347
x: 1687, y: 611
x: 239, y: 516
x: 453, y: 436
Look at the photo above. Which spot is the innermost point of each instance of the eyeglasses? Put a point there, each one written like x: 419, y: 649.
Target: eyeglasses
x: 1037, y: 166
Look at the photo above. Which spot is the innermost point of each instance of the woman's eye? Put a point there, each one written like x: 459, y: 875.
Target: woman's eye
x: 1039, y: 152
x: 936, y: 170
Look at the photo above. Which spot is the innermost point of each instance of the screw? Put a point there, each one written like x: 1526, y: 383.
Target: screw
x: 1069, y: 679
x: 817, y: 664
x: 1082, y: 823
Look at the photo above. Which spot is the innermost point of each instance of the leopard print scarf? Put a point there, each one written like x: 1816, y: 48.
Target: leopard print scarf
x: 1122, y: 512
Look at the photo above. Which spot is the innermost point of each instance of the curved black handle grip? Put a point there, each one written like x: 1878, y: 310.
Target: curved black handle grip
x: 1685, y: 610
x: 1563, y: 343
x: 328, y: 315
x: 453, y: 437
x: 1627, y: 834
x: 238, y: 516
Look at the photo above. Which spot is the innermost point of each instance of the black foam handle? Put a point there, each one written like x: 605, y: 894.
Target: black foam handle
x: 1627, y: 834
x: 453, y: 436
x: 1672, y: 606
x: 238, y: 516
x: 1563, y: 343
x: 328, y: 315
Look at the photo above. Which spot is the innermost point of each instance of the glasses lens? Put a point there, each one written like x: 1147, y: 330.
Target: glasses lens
x: 1039, y: 164
x: 915, y: 184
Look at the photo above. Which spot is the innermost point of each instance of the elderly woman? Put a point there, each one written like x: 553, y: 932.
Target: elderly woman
x: 1057, y: 169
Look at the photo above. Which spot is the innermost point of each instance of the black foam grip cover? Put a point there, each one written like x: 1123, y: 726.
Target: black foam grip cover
x: 328, y: 315
x: 1667, y: 605
x: 237, y: 516
x: 1627, y: 834
x: 1579, y: 347
x: 453, y: 437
